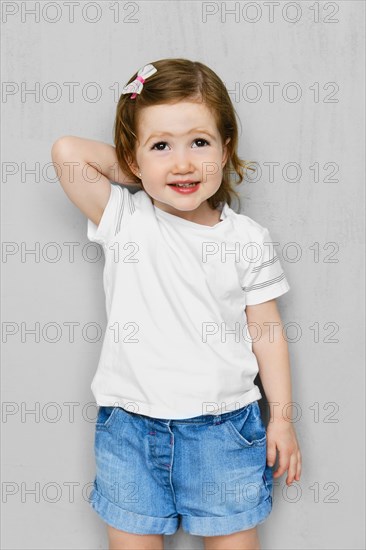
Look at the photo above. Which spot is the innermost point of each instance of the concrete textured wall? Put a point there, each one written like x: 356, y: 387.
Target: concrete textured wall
x: 295, y: 72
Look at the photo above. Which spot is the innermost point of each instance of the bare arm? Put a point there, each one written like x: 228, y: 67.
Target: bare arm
x: 271, y: 351
x: 84, y: 168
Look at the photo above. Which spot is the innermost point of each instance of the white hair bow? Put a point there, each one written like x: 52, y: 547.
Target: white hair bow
x: 136, y: 86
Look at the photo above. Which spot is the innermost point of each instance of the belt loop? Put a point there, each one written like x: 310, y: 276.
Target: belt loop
x: 217, y: 419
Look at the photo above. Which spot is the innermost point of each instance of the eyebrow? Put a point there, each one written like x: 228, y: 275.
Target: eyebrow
x: 160, y: 134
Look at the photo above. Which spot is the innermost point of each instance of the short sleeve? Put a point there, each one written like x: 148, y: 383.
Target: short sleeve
x: 264, y: 278
x: 119, y: 207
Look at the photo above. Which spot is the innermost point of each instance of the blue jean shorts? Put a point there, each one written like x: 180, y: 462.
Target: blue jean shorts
x: 208, y: 473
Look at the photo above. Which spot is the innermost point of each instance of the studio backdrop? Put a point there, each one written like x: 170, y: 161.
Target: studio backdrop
x: 295, y: 73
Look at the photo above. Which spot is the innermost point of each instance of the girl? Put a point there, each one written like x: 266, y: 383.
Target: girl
x: 192, y: 318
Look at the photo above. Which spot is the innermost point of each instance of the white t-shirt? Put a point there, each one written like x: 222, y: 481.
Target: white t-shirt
x: 176, y: 343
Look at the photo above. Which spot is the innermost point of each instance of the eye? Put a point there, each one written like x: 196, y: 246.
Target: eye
x: 164, y: 143
x: 201, y: 139
x: 159, y: 143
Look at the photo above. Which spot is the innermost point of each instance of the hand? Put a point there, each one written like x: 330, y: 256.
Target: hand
x: 281, y: 435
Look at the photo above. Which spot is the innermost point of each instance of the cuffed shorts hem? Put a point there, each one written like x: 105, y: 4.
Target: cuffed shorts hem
x: 124, y: 520
x: 216, y: 526
x: 138, y: 524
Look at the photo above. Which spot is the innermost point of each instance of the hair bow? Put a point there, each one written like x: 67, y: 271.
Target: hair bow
x: 136, y: 86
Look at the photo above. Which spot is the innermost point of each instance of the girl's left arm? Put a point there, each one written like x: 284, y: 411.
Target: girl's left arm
x: 271, y: 351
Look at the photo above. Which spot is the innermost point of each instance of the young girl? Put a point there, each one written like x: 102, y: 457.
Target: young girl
x: 190, y: 298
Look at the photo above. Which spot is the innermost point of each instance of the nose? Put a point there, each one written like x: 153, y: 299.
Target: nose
x: 182, y: 162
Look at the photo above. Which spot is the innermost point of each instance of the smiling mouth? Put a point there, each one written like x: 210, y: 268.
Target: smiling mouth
x: 184, y: 184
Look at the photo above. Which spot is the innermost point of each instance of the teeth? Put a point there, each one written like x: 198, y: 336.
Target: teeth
x: 185, y: 184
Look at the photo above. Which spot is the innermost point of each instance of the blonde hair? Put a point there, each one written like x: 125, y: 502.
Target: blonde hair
x: 179, y: 79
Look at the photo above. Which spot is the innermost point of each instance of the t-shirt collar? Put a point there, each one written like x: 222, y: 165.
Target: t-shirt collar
x: 223, y: 214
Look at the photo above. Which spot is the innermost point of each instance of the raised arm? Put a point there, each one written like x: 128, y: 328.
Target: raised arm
x: 85, y: 168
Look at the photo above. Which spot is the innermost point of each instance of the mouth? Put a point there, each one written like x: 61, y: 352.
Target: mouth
x: 185, y: 184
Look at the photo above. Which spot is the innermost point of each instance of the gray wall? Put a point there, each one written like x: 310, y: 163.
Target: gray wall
x: 315, y: 203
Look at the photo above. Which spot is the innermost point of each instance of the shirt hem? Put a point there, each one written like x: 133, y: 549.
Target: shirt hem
x: 269, y: 295
x: 243, y: 399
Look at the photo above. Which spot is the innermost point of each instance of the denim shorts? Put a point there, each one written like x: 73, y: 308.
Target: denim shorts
x: 208, y: 473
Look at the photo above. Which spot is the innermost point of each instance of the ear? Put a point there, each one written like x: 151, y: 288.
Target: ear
x: 225, y: 152
x: 133, y: 167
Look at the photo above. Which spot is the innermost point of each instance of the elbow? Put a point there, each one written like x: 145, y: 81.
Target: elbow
x: 59, y: 146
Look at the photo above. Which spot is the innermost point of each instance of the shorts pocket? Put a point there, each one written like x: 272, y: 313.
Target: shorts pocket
x: 247, y: 428
x: 268, y: 479
x: 106, y: 417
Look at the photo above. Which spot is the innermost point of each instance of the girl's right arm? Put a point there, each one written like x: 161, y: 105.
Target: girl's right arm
x: 84, y: 168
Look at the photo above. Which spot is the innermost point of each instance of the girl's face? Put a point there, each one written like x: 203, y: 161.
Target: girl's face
x: 179, y: 143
